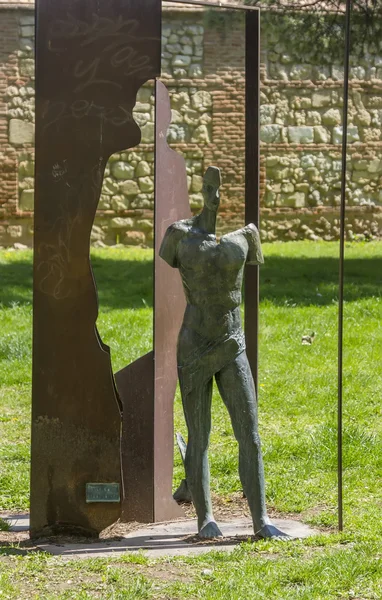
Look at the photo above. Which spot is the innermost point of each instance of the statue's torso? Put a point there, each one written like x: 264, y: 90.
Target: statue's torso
x: 212, y: 276
x: 212, y: 271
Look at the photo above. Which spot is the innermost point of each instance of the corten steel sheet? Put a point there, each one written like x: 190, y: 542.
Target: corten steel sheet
x: 91, y: 59
x: 147, y: 386
x: 171, y: 204
x: 135, y: 385
x: 252, y: 180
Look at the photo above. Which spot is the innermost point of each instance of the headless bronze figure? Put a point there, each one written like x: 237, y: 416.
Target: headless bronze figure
x: 211, y: 344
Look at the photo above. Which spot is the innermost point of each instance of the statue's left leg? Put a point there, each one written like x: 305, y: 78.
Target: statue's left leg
x: 237, y: 389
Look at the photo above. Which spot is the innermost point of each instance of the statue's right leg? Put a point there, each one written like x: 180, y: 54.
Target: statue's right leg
x: 197, y: 411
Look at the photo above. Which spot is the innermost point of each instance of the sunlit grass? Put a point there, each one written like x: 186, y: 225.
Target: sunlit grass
x: 298, y: 426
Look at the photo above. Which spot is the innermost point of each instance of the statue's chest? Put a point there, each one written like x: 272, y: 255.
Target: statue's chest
x: 204, y: 253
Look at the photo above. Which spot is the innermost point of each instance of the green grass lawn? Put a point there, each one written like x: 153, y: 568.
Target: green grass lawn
x: 298, y: 421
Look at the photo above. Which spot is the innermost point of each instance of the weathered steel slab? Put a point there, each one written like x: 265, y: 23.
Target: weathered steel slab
x: 136, y: 388
x: 147, y: 386
x: 91, y: 59
x: 171, y: 204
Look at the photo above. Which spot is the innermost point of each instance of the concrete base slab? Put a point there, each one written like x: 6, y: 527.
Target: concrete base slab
x: 175, y: 538
x: 170, y: 539
x: 16, y: 522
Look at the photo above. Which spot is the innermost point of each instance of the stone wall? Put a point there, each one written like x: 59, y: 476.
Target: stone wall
x: 203, y: 67
x: 301, y: 134
x: 16, y: 135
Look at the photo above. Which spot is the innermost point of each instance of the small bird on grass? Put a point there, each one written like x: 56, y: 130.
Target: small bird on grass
x: 307, y: 340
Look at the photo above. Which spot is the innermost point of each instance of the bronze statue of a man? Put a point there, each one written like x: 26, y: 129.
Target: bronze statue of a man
x: 211, y: 344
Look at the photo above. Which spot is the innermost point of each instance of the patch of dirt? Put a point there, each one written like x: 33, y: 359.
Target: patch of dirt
x: 235, y: 506
x: 118, y: 530
x: 166, y: 572
x: 225, y: 509
x: 225, y: 541
x: 12, y: 537
x: 16, y: 543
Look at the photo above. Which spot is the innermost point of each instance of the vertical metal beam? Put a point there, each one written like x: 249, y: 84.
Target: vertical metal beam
x: 341, y: 266
x: 252, y: 179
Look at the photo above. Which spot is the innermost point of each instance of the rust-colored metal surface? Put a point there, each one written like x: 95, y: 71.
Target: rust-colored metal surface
x: 91, y: 59
x: 147, y: 386
x: 135, y: 385
x: 252, y: 180
x: 172, y: 204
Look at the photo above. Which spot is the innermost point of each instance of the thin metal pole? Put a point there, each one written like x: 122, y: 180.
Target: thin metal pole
x: 341, y: 265
x: 214, y: 5
x: 252, y: 181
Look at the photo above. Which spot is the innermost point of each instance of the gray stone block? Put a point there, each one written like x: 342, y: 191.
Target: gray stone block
x: 148, y: 133
x: 321, y: 99
x: 121, y: 223
x: 27, y: 200
x: 353, y: 135
x: 296, y: 200
x: 332, y: 117
x: 27, y: 20
x: 300, y: 135
x: 195, y: 71
x: 270, y: 133
x: 143, y: 169
x: 20, y: 132
x: 267, y: 114
x: 321, y: 135
x: 27, y: 68
x: 196, y: 183
x: 201, y: 101
x: 27, y: 31
x: 201, y: 135
x: 130, y: 188
x: 146, y: 184
x: 122, y: 170
x: 181, y: 61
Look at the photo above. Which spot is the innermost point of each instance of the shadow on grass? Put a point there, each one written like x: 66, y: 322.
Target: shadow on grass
x: 283, y: 281
x: 306, y: 281
x: 17, y: 549
x: 123, y: 283
x: 16, y: 280
x: 120, y: 283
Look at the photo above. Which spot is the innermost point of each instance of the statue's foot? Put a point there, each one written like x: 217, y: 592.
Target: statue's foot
x: 209, y: 531
x: 270, y: 531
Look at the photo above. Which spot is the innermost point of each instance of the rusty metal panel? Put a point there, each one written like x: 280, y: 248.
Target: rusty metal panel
x: 252, y: 180
x: 136, y: 388
x: 171, y: 204
x: 147, y: 386
x: 91, y: 59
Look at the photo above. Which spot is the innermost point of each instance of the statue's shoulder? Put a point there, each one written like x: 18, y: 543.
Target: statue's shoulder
x: 252, y: 235
x: 251, y: 231
x: 180, y: 227
x: 174, y: 233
